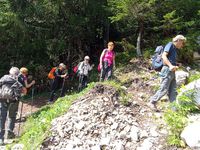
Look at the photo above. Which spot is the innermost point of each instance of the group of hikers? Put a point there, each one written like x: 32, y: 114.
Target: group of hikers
x: 17, y: 81
x: 106, y: 65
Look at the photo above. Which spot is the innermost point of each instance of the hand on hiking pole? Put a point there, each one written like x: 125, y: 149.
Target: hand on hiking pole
x: 63, y: 76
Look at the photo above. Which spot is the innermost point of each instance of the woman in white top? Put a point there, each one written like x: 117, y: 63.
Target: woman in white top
x: 83, y: 70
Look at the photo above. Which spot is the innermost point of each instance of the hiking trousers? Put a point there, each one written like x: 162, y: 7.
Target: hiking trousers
x: 106, y: 72
x: 167, y: 86
x: 10, y: 109
x: 83, y: 79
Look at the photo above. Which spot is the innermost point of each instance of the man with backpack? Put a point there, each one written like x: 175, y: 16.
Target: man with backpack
x: 168, y: 83
x: 83, y: 71
x: 59, y: 76
x: 10, y: 93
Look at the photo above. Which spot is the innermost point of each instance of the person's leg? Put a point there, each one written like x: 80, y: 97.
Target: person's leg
x: 12, y: 109
x: 3, y: 115
x: 172, y: 93
x: 84, y: 82
x: 80, y: 85
x: 164, y: 87
x: 62, y: 93
x: 103, y: 73
x: 53, y: 90
x: 109, y: 73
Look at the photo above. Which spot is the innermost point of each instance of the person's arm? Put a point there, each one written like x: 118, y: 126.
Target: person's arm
x: 101, y: 58
x: 58, y: 74
x: 90, y: 67
x: 29, y: 85
x: 114, y: 61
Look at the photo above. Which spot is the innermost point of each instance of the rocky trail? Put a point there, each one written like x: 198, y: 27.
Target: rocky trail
x: 101, y: 120
x: 109, y: 117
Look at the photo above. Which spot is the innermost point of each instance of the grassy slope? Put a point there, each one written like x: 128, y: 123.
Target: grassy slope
x: 37, y: 127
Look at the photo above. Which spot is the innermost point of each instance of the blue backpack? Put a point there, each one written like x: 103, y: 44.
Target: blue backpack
x: 157, y: 62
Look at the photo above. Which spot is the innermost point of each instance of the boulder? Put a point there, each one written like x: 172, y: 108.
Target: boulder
x: 191, y: 90
x: 181, y: 77
x: 191, y: 135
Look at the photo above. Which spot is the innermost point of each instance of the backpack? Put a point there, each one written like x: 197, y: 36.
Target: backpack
x: 157, y: 62
x: 76, y: 68
x: 10, y: 88
x: 51, y: 73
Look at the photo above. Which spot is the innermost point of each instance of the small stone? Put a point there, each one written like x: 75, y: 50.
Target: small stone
x: 17, y: 147
x: 143, y: 134
x: 146, y: 145
x: 153, y: 132
x: 119, y: 145
x: 97, y: 147
x: 114, y: 126
x: 105, y: 141
x: 134, y: 133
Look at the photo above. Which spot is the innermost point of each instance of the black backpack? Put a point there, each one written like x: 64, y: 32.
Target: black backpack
x: 157, y: 62
x: 10, y: 88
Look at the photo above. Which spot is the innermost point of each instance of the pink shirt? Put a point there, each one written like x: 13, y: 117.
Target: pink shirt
x: 108, y: 56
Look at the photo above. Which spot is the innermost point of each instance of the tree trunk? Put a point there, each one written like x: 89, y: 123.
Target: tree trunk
x: 138, y: 48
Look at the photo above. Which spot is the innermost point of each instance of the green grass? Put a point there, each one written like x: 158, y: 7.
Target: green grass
x: 37, y: 126
x: 194, y: 77
x: 177, y: 120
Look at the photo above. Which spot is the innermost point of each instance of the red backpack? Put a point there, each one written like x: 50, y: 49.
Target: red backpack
x: 75, y: 69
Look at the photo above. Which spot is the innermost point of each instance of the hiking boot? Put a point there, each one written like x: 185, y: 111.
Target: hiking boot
x: 153, y: 107
x: 11, y: 135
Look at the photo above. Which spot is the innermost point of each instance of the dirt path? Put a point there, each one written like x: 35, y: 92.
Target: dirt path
x: 27, y: 109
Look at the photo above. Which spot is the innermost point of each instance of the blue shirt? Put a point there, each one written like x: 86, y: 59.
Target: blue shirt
x: 172, y: 54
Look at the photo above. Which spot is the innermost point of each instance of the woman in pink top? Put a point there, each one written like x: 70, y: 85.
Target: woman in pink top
x: 107, y: 62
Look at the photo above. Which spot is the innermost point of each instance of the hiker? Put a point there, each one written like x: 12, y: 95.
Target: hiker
x: 83, y: 70
x: 107, y: 62
x: 168, y: 82
x: 9, y: 103
x: 23, y: 78
x: 59, y: 75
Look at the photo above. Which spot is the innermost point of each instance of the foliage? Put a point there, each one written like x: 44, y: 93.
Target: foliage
x: 194, y: 77
x: 176, y: 117
x: 37, y: 126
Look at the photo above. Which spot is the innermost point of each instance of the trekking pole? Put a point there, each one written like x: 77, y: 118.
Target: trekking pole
x: 32, y: 98
x: 20, y: 118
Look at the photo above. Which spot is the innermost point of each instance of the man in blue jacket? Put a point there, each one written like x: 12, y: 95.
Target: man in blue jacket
x: 168, y: 83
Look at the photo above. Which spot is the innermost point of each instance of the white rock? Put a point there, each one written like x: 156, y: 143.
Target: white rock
x: 114, y: 126
x: 18, y: 147
x: 97, y: 147
x: 143, y: 134
x: 181, y: 77
x: 105, y: 141
x: 80, y: 125
x: 194, y: 86
x: 119, y: 145
x: 134, y: 133
x: 153, y: 132
x: 191, y: 135
x: 146, y: 145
